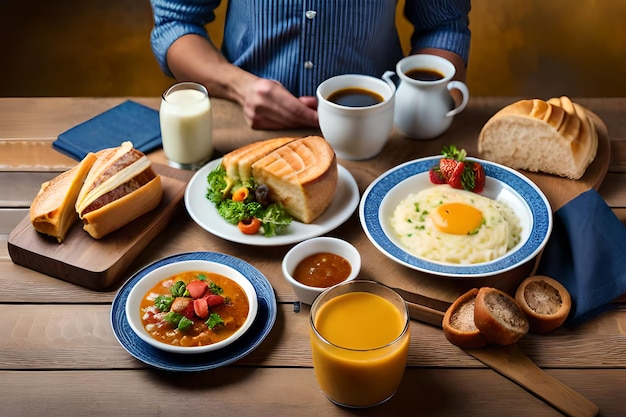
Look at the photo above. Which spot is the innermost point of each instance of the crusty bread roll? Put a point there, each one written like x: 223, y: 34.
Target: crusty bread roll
x: 458, y: 322
x: 498, y: 317
x: 52, y: 211
x: 555, y: 137
x: 301, y: 175
x: 238, y: 163
x: 545, y: 302
x: 119, y: 188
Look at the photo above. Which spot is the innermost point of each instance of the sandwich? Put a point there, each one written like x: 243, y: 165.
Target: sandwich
x: 52, y: 211
x: 120, y: 187
x: 106, y: 190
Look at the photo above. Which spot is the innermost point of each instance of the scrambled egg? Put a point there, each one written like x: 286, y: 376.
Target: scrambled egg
x: 448, y: 225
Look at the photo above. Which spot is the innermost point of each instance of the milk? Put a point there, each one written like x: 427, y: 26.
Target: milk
x: 186, y: 125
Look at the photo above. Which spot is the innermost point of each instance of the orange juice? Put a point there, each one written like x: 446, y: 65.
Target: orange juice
x: 359, y: 343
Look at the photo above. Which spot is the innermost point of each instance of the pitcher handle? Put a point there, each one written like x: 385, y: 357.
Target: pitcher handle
x: 389, y: 76
x: 458, y: 85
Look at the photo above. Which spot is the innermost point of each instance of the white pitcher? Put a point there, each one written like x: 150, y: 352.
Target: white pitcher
x: 425, y: 109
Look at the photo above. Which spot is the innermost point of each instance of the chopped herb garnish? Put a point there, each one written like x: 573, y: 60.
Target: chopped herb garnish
x: 214, y: 320
x: 163, y: 302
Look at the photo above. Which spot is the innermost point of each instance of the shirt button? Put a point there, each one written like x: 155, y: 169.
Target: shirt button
x: 308, y: 64
x: 310, y: 14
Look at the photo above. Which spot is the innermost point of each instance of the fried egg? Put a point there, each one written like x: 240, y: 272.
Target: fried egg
x: 447, y: 225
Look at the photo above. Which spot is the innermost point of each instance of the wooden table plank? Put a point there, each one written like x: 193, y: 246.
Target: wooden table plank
x: 69, y: 336
x: 428, y: 392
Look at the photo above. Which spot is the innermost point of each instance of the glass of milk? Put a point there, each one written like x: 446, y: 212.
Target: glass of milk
x: 186, y: 125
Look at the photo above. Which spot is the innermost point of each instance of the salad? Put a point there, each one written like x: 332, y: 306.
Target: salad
x: 246, y: 204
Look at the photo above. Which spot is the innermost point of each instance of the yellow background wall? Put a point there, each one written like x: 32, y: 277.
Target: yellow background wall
x: 531, y: 48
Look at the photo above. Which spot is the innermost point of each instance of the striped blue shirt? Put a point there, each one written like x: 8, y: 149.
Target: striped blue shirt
x: 300, y: 43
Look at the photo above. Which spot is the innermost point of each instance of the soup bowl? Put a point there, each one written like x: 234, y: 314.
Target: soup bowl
x: 143, y: 287
x: 306, y: 293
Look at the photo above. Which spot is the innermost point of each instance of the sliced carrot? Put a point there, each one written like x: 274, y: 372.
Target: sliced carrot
x: 240, y: 194
x: 197, y: 288
x: 249, y: 226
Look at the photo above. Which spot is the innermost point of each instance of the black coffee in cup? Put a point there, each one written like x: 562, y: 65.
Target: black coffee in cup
x: 424, y: 74
x: 355, y: 97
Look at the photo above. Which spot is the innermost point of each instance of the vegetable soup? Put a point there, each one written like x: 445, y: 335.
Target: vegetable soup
x: 194, y: 308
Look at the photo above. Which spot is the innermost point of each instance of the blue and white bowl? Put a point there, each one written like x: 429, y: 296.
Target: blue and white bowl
x: 502, y: 183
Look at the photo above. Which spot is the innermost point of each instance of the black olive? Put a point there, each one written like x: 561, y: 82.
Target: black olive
x: 262, y: 195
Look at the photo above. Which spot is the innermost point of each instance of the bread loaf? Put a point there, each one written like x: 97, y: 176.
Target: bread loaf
x: 120, y: 187
x: 52, y: 211
x: 499, y: 317
x: 458, y: 322
x: 555, y: 137
x: 545, y: 302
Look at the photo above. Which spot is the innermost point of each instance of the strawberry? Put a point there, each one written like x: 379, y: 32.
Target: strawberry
x: 455, y: 171
x: 456, y: 178
x: 435, y: 175
x: 479, y: 177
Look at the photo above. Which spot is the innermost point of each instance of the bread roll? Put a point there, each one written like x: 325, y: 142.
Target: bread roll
x: 555, y: 137
x: 545, y: 302
x: 120, y: 187
x: 458, y: 322
x: 498, y: 317
x: 52, y: 211
x: 301, y: 175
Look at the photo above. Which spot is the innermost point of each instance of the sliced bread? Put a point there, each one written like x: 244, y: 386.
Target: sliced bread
x: 545, y: 301
x: 499, y: 317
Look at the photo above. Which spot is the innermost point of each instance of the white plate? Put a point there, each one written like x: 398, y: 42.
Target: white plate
x: 502, y: 183
x: 204, y: 213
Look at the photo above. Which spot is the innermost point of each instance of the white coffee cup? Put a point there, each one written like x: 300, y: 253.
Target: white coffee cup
x: 356, y: 132
x: 424, y: 108
x: 186, y: 125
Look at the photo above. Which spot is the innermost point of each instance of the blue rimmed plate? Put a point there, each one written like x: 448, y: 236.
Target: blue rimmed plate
x: 388, y: 190
x: 157, y: 358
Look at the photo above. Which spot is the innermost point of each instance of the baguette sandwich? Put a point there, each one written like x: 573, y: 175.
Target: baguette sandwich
x: 300, y: 174
x: 107, y: 190
x: 555, y: 137
x: 120, y: 187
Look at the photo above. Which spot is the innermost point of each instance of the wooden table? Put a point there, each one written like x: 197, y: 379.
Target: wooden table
x: 59, y: 356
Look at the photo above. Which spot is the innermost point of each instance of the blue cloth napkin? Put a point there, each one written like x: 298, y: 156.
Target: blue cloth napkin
x: 586, y: 253
x: 128, y: 121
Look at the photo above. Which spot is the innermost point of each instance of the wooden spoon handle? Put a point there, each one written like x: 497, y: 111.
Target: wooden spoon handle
x: 512, y: 363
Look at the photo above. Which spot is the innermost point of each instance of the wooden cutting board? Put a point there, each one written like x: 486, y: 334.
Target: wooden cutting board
x: 91, y: 263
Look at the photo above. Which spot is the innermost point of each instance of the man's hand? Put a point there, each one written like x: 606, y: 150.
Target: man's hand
x: 268, y: 105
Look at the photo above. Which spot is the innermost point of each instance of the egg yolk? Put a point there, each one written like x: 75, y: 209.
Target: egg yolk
x: 457, y: 218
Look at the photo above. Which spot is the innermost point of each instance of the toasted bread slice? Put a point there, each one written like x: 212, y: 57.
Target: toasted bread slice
x: 458, y: 322
x: 545, y: 302
x: 499, y: 317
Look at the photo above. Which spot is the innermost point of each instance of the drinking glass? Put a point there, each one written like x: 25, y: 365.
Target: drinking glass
x: 359, y: 333
x: 186, y: 125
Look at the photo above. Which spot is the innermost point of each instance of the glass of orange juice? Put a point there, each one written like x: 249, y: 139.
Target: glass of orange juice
x: 359, y: 333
